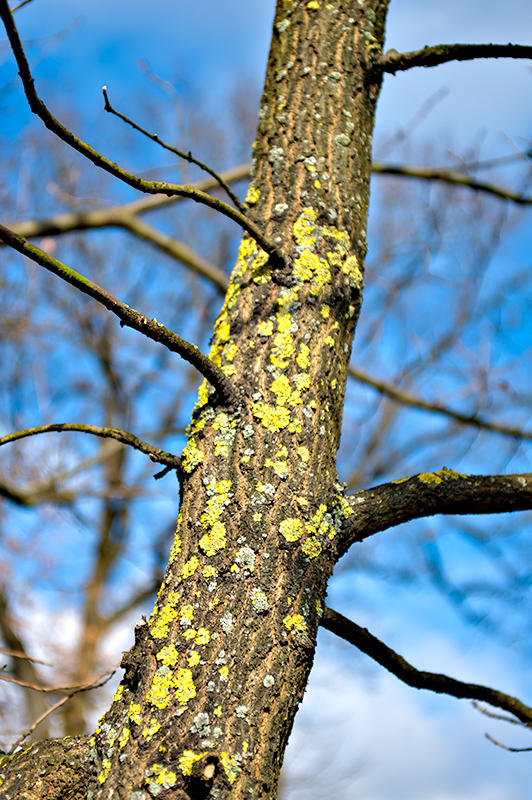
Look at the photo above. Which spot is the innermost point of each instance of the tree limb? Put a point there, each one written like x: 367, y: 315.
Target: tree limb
x: 126, y: 216
x: 149, y: 187
x: 181, y: 153
x: 128, y: 316
x: 362, y: 639
x: 393, y: 62
x: 400, y: 396
x: 178, y: 250
x: 155, y: 453
x: 429, y: 493
x: 505, y: 746
x: 451, y: 177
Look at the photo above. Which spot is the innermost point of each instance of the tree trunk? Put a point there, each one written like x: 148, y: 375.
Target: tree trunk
x: 216, y: 674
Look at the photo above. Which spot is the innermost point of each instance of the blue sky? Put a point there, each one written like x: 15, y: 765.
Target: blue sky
x: 207, y: 47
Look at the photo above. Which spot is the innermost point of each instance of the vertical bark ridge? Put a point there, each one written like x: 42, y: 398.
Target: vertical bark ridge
x: 216, y: 674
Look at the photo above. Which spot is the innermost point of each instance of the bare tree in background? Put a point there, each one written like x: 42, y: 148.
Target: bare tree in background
x: 214, y: 679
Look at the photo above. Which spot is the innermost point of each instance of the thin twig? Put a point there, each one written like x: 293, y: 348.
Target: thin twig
x: 362, y: 639
x: 505, y: 747
x: 491, y: 715
x: 176, y: 249
x: 95, y: 683
x: 149, y: 187
x: 181, y: 153
x: 23, y: 656
x: 400, y: 396
x: 156, y: 455
x: 393, y: 62
x: 21, y: 5
x: 128, y: 316
x: 452, y: 177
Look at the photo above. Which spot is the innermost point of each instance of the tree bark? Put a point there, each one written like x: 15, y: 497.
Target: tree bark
x: 215, y: 676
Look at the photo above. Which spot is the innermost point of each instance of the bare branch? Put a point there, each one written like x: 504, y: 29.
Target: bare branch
x: 24, y: 656
x: 149, y: 187
x: 362, y: 639
x: 492, y: 715
x: 155, y: 453
x: 505, y: 747
x: 126, y: 216
x: 452, y: 177
x: 95, y: 683
x: 393, y: 62
x: 400, y: 396
x: 429, y: 493
x: 178, y: 250
x: 128, y: 316
x: 21, y: 5
x: 181, y: 153
x: 113, y: 216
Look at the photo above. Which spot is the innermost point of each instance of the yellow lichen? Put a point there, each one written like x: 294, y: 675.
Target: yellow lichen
x: 295, y: 622
x: 134, y: 713
x: 311, y: 547
x: 273, y: 418
x: 430, y: 477
x: 282, y: 350
x: 163, y: 776
x: 303, y: 453
x: 252, y: 196
x: 168, y: 656
x: 151, y: 729
x: 291, y: 528
x: 215, y: 540
x: 230, y: 767
x: 191, y: 456
x: 302, y: 358
x: 165, y: 616
x: 208, y: 571
x: 265, y: 327
x: 305, y: 227
x: 203, y: 636
x: 193, y: 659
x: 123, y: 738
x: 189, y: 567
x: 186, y: 761
x: 106, y: 766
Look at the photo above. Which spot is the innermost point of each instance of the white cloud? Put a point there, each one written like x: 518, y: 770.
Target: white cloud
x: 386, y: 741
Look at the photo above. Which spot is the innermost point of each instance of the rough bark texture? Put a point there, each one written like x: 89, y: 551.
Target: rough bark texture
x: 54, y: 769
x: 216, y: 674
